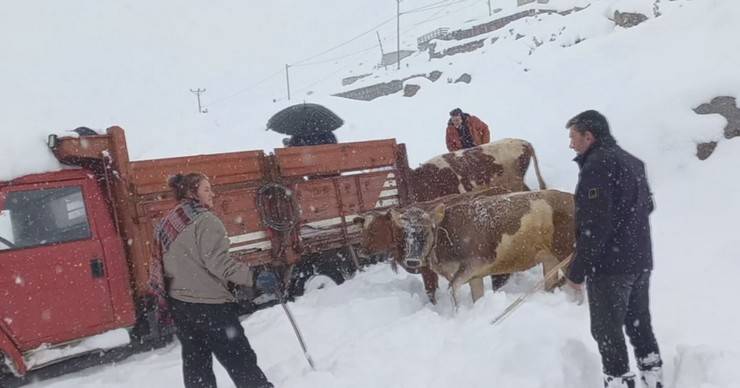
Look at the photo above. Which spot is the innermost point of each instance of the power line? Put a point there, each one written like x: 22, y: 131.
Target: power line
x: 439, y: 11
x: 426, y: 6
x: 384, y: 22
x: 303, y: 62
x: 248, y: 88
x: 431, y: 7
x: 337, y: 58
x: 345, y: 42
x: 324, y: 78
x: 448, y: 14
x: 418, y: 9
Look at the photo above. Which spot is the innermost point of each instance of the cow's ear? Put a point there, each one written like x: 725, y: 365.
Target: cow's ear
x: 438, y: 214
x: 396, y: 216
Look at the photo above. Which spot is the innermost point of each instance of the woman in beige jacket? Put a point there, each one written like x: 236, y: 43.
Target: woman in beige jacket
x: 197, y: 270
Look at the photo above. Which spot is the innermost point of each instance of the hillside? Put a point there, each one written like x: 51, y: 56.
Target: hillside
x: 128, y: 64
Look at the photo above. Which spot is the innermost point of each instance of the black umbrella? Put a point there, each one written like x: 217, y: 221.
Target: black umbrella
x: 304, y: 119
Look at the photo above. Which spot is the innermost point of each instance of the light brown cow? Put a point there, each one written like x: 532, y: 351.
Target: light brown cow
x: 378, y: 238
x: 487, y: 235
x: 502, y: 163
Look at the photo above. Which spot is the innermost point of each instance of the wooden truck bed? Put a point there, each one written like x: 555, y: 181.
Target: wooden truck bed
x: 277, y: 207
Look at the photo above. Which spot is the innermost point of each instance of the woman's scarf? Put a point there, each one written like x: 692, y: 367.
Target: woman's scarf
x: 169, y: 227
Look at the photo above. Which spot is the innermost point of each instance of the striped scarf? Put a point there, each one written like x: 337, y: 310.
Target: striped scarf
x: 165, y: 233
x: 175, y: 222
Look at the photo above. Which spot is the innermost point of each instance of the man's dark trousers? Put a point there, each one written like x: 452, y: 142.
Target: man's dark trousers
x: 206, y: 329
x: 616, y: 301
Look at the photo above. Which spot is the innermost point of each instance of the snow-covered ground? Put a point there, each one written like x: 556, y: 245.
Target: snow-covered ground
x: 131, y: 64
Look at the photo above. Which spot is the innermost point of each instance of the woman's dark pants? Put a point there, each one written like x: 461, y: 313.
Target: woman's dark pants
x: 214, y: 329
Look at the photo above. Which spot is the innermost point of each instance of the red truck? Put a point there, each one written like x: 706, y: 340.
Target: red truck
x: 75, y: 244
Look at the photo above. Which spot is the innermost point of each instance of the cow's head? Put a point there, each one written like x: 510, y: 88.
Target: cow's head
x: 376, y: 235
x: 416, y: 233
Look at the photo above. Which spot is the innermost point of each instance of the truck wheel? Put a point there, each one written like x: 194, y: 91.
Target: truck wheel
x: 310, y: 279
x: 318, y: 282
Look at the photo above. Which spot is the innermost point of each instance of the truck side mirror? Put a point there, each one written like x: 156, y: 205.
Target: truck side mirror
x: 52, y: 141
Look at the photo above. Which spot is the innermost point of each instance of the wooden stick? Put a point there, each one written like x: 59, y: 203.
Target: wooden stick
x: 536, y: 288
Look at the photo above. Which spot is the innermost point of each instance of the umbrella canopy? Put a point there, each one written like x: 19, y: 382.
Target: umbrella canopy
x: 304, y: 119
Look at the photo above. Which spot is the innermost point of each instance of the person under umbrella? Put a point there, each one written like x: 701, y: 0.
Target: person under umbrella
x: 307, y: 124
x: 310, y: 139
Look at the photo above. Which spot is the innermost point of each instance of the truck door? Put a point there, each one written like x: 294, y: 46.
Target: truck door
x: 53, y: 281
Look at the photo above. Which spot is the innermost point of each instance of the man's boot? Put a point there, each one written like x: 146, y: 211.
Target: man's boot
x: 651, y: 371
x: 626, y: 380
x: 652, y: 378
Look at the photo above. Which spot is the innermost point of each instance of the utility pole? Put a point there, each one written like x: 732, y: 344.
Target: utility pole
x: 398, y: 34
x: 382, y: 54
x: 287, y: 79
x: 197, y: 93
x: 380, y: 42
x: 490, y: 12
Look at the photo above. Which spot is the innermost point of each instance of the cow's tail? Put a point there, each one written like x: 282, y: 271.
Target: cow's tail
x: 541, y: 181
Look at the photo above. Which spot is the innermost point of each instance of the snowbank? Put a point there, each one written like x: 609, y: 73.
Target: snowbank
x: 377, y: 329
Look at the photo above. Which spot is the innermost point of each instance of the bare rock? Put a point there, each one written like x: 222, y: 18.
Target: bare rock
x: 350, y: 80
x: 628, y: 19
x: 409, y: 90
x: 726, y: 107
x: 704, y: 150
x: 465, y: 77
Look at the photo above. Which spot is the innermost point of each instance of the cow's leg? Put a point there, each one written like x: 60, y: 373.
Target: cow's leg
x: 498, y: 281
x: 431, y: 282
x: 454, y: 297
x: 463, y: 275
x: 549, y: 261
x: 476, y: 288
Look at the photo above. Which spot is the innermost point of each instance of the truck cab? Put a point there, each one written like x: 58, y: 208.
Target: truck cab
x: 63, y: 267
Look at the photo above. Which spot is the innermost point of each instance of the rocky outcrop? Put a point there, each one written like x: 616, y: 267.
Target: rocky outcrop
x: 372, y: 92
x: 409, y: 90
x: 454, y: 50
x: 628, y: 19
x: 726, y: 107
x: 704, y: 150
x: 434, y: 76
x: 465, y: 77
x: 350, y: 80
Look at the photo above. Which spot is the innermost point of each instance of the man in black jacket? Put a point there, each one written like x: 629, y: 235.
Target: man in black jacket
x: 613, y: 250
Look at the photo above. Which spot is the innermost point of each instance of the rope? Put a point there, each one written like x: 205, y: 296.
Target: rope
x: 269, y: 218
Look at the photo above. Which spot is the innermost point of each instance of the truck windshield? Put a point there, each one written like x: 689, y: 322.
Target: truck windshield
x: 41, y: 217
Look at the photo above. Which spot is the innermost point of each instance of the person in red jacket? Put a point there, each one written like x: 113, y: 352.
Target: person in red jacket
x: 465, y: 131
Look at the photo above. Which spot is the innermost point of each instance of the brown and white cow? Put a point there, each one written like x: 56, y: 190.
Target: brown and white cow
x: 487, y: 235
x: 499, y: 166
x: 377, y: 237
x: 502, y: 163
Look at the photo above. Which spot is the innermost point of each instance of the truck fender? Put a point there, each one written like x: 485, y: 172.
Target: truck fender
x: 13, y: 357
